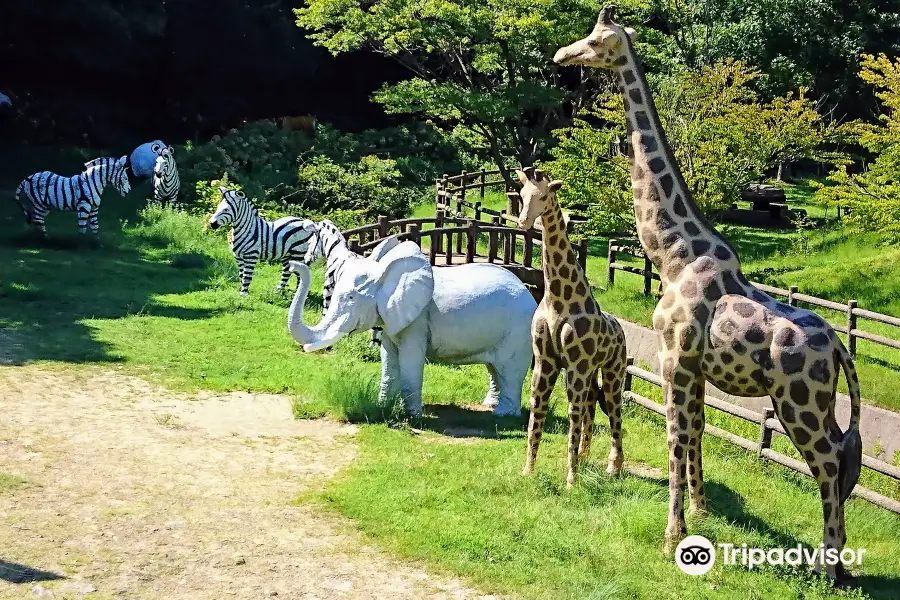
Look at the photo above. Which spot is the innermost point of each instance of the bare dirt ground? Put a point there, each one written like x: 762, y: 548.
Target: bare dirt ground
x: 131, y: 491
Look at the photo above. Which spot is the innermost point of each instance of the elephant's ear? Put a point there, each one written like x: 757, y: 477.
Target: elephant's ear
x: 406, y: 286
x: 384, y: 247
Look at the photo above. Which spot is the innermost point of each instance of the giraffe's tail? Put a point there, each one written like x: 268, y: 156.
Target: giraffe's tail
x: 851, y: 449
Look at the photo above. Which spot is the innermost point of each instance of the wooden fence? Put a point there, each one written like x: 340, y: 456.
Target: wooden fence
x: 768, y: 425
x: 792, y: 296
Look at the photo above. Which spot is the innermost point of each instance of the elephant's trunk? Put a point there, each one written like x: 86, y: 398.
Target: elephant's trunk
x: 320, y: 336
x: 299, y: 331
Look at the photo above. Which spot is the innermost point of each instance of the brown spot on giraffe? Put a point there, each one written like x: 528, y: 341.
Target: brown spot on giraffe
x: 593, y: 343
x: 733, y: 318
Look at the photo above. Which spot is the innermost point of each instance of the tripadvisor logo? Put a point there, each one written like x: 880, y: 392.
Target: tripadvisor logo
x: 696, y: 555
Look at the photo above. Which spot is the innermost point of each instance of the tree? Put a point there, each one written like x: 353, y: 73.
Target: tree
x: 722, y: 135
x: 481, y: 68
x: 873, y: 196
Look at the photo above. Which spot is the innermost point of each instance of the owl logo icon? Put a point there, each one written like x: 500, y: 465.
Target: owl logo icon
x: 695, y: 555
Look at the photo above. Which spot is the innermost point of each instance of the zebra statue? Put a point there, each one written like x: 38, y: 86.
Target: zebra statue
x: 329, y: 243
x: 254, y: 239
x: 46, y: 190
x: 166, y: 182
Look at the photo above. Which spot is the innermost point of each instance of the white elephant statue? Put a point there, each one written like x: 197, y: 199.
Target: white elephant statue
x: 467, y: 314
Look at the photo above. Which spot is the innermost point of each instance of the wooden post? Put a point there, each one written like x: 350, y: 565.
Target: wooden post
x: 528, y: 249
x: 512, y: 204
x: 445, y: 186
x: 851, y: 325
x: 438, y: 224
x: 492, y: 242
x: 478, y: 210
x: 483, y: 176
x: 471, y: 240
x: 791, y: 291
x: 383, y: 227
x: 463, y: 182
x: 629, y: 361
x: 459, y: 239
x: 610, y: 259
x: 765, y: 434
x: 435, y: 240
x: 438, y: 194
x: 582, y: 254
x: 449, y: 260
x: 414, y: 234
x: 648, y: 275
x: 509, y: 247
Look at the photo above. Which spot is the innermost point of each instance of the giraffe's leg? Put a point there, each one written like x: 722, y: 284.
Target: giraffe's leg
x: 677, y: 422
x: 696, y: 416
x: 817, y: 437
x: 579, y: 391
x: 543, y: 378
x: 285, y: 275
x: 587, y: 424
x: 613, y: 378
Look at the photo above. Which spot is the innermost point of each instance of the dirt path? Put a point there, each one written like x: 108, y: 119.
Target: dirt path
x: 135, y: 492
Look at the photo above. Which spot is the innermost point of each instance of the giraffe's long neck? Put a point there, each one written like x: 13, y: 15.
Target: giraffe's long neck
x: 564, y: 280
x: 672, y: 228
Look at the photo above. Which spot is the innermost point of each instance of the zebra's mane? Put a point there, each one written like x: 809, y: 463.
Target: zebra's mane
x: 236, y: 200
x: 108, y: 161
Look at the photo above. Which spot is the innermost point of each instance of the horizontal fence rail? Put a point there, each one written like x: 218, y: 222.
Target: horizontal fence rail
x: 791, y: 295
x: 768, y: 425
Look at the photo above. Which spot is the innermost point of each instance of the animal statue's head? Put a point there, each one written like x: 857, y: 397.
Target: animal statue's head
x: 605, y: 47
x: 538, y: 195
x: 228, y: 208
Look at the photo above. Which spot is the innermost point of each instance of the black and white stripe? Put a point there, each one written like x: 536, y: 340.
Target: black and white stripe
x: 256, y: 239
x: 42, y: 192
x: 166, y: 182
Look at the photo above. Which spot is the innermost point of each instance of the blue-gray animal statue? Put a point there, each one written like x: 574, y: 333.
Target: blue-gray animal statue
x: 143, y: 159
x: 467, y: 314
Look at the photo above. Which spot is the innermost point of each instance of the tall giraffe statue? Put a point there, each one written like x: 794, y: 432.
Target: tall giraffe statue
x: 569, y: 331
x: 714, y: 325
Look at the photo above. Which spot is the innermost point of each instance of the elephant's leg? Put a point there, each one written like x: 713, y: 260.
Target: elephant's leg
x: 493, y: 396
x: 510, y: 377
x: 390, y: 371
x: 411, y: 347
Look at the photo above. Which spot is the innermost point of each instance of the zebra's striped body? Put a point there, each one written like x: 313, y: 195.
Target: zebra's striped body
x: 256, y: 239
x: 42, y: 192
x: 330, y: 244
x: 166, y: 182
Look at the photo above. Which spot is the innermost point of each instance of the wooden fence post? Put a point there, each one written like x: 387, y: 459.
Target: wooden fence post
x: 383, y: 227
x: 414, y: 234
x: 459, y: 236
x: 478, y: 210
x: 582, y: 254
x: 445, y: 186
x: 610, y: 259
x: 438, y: 223
x: 449, y: 259
x: 471, y: 240
x: 483, y: 176
x: 765, y: 434
x: 791, y: 291
x: 528, y: 249
x: 629, y: 361
x: 851, y: 325
x: 509, y: 247
x: 354, y: 246
x: 512, y: 204
x: 432, y: 253
x: 438, y: 194
x: 463, y: 182
x: 492, y: 241
x: 648, y: 275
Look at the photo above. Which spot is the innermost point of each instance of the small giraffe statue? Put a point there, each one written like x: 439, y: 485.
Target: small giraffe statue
x: 713, y: 325
x: 569, y: 331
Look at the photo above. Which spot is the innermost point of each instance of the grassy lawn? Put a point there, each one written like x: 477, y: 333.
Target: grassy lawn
x: 159, y: 297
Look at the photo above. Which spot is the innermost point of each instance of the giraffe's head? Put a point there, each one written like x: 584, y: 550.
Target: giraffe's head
x: 604, y: 48
x: 538, y: 195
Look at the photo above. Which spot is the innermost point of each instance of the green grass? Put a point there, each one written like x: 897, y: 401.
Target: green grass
x: 10, y: 482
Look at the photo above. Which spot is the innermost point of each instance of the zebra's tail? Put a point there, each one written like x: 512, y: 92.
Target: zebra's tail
x: 25, y: 207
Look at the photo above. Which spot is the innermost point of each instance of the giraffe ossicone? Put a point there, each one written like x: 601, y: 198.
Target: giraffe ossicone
x: 713, y: 325
x: 570, y: 332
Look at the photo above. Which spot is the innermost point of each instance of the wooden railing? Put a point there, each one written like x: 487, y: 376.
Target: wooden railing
x: 768, y: 425
x: 791, y: 295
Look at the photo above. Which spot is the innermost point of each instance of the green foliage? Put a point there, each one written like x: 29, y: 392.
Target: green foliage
x: 352, y: 395
x: 481, y: 66
x: 208, y: 196
x: 874, y: 195
x: 721, y: 134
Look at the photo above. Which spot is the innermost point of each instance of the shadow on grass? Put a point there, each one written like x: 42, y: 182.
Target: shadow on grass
x: 16, y: 573
x: 50, y: 287
x: 459, y: 422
